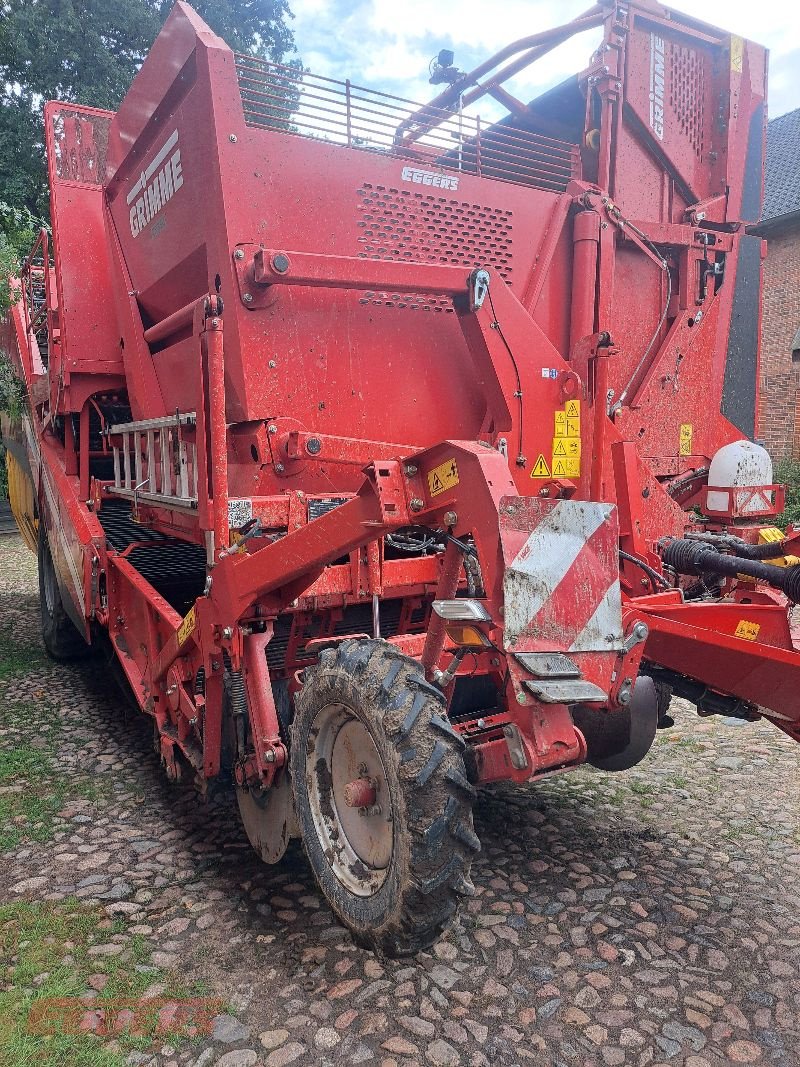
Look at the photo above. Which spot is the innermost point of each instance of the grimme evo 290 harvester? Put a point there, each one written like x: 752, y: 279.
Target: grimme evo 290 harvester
x: 392, y: 453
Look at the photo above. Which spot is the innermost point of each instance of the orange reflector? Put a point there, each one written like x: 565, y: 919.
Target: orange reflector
x: 466, y: 636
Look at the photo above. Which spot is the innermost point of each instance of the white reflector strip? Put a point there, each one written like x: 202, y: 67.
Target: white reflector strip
x: 604, y: 624
x: 562, y: 586
x: 553, y: 547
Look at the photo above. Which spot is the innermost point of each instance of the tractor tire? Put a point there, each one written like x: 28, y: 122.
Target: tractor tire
x: 62, y: 641
x: 394, y: 869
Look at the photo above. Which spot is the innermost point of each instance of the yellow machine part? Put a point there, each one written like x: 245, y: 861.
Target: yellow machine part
x: 23, y: 501
x: 770, y: 534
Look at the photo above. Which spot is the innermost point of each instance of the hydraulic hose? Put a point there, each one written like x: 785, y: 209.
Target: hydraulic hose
x: 737, y: 547
x: 696, y: 557
x: 771, y: 550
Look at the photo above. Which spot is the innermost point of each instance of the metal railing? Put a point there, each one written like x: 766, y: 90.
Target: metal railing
x: 276, y: 97
x: 35, y: 278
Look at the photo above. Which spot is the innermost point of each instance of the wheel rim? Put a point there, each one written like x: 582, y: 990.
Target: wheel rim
x: 357, y: 842
x: 49, y: 582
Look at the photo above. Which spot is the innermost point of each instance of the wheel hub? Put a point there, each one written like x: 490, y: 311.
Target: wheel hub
x: 360, y: 794
x: 349, y: 799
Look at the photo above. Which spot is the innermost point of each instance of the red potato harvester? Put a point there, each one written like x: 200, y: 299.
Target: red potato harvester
x: 390, y: 452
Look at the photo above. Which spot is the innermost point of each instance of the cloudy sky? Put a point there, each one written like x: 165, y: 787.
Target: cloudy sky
x: 387, y: 44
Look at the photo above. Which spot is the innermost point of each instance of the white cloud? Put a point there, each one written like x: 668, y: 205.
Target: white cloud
x: 386, y: 46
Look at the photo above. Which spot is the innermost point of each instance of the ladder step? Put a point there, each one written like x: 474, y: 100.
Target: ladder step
x: 164, y: 422
x: 572, y: 691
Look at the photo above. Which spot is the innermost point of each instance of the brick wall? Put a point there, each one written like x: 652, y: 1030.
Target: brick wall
x: 779, y: 406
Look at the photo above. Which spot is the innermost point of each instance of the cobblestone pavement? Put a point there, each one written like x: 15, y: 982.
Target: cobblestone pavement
x: 642, y: 918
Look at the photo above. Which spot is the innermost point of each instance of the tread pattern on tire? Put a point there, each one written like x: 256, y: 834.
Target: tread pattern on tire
x: 430, y: 768
x: 61, y: 640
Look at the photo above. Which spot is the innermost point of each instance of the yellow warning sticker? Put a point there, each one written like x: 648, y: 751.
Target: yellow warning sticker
x: 540, y: 468
x: 747, y: 630
x: 187, y: 626
x: 566, y: 456
x: 566, y: 467
x: 567, y: 446
x: 737, y: 52
x: 443, y: 477
x: 685, y: 440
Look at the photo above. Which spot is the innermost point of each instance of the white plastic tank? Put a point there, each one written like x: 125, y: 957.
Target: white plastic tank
x: 741, y: 463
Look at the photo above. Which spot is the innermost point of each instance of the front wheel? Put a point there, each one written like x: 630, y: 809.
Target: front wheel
x: 381, y: 796
x: 61, y: 640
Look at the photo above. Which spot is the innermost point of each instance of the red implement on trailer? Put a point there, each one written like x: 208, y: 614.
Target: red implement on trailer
x: 391, y: 452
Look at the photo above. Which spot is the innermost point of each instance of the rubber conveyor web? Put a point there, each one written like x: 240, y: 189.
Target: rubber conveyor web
x: 174, y: 568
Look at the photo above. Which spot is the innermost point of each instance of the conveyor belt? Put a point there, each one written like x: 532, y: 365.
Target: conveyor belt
x: 355, y: 619
x: 174, y: 568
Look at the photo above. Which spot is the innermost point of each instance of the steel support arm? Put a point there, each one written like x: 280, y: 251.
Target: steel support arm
x: 272, y: 267
x: 288, y: 566
x: 527, y: 50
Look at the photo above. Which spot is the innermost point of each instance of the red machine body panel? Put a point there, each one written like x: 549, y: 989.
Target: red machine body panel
x: 309, y: 362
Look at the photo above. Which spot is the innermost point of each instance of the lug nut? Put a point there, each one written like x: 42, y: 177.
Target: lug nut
x: 416, y: 504
x: 373, y: 809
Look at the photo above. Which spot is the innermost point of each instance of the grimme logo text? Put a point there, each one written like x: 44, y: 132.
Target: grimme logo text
x: 657, y: 74
x: 157, y: 184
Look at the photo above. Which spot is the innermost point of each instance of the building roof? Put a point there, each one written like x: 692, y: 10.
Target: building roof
x: 782, y: 186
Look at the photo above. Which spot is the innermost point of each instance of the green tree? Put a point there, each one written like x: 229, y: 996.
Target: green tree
x: 88, y: 52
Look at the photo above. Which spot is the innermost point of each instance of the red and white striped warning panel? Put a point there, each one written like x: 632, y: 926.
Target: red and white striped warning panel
x: 561, y: 583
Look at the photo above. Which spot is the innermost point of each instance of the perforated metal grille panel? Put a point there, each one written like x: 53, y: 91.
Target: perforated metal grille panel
x: 80, y: 145
x: 401, y: 224
x: 687, y: 93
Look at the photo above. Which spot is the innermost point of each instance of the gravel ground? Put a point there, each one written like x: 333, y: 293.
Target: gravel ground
x: 641, y: 918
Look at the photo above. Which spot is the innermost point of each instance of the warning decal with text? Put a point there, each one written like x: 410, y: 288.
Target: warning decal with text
x: 685, y: 439
x: 443, y: 477
x: 187, y: 626
x: 747, y: 630
x: 566, y: 456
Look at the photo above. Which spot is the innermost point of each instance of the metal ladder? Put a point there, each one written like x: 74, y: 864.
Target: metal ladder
x: 164, y: 471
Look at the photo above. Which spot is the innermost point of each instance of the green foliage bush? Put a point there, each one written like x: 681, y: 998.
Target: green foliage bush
x: 787, y: 472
